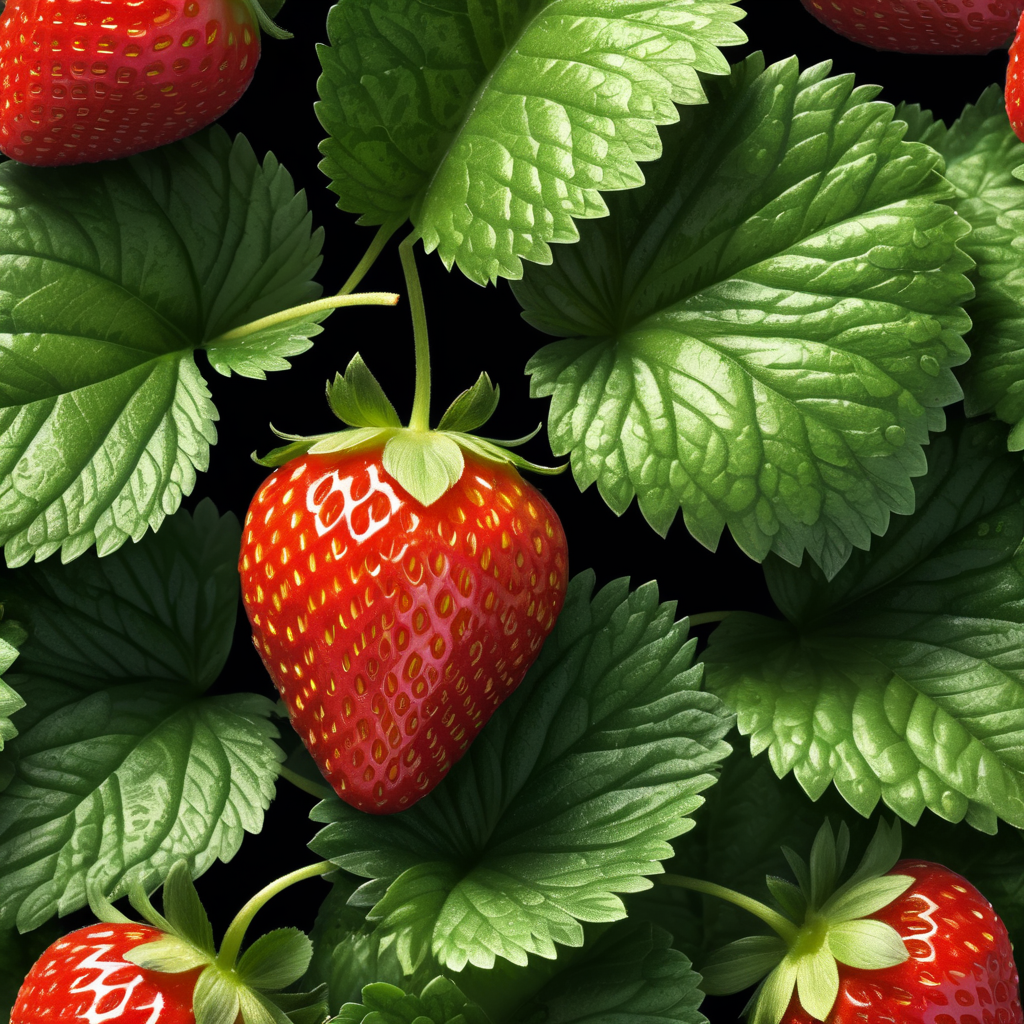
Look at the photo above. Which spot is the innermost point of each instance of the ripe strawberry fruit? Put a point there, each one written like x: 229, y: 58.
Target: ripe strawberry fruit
x: 169, y: 971
x: 83, y: 977
x: 960, y: 968
x: 921, y: 26
x: 393, y: 628
x: 87, y: 80
x: 899, y: 942
x: 1015, y: 83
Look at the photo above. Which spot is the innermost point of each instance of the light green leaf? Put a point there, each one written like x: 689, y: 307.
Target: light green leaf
x: 866, y: 945
x: 17, y: 955
x: 981, y: 153
x: 426, y: 464
x: 275, y: 960
x: 11, y: 638
x: 441, y: 1002
x: 357, y: 398
x: 762, y: 336
x: 122, y: 767
x: 473, y: 408
x: 185, y: 911
x: 493, y: 124
x: 170, y: 955
x: 631, y: 975
x: 817, y: 983
x: 902, y: 680
x: 215, y: 999
x: 567, y: 798
x: 866, y: 897
x: 113, y: 274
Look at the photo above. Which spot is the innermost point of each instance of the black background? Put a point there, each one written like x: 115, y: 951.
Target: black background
x: 472, y: 329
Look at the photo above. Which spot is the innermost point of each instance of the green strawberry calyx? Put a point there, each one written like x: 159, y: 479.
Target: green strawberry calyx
x: 232, y: 984
x: 818, y: 925
x: 427, y: 463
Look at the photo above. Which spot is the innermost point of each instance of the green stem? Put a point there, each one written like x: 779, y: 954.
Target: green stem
x: 384, y: 233
x: 705, y: 617
x: 306, y: 785
x: 235, y: 934
x: 782, y: 926
x: 296, y: 312
x: 420, y: 418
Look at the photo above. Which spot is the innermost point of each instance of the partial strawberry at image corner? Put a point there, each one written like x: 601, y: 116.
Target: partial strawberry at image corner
x: 86, y: 81
x: 922, y: 26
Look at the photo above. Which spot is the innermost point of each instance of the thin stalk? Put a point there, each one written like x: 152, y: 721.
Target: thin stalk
x: 782, y: 926
x: 380, y: 239
x: 420, y: 418
x: 296, y: 312
x: 706, y: 617
x: 306, y: 785
x: 233, y: 937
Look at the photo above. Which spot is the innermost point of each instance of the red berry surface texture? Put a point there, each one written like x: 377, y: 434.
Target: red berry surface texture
x: 960, y: 970
x: 391, y: 629
x: 1015, y: 83
x: 87, y: 80
x: 83, y: 977
x: 921, y: 26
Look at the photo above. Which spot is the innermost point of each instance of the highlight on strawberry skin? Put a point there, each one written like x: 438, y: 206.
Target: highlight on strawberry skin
x: 87, y: 80
x: 921, y: 26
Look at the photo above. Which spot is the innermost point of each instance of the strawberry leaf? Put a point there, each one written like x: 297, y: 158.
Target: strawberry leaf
x: 567, y: 798
x: 11, y: 638
x: 440, y: 1002
x: 762, y: 336
x: 981, y: 152
x: 118, y: 746
x: 902, y: 680
x: 493, y: 125
x: 114, y: 274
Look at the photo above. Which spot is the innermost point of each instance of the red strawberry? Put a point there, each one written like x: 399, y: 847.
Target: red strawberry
x: 87, y: 80
x: 84, y: 978
x: 1015, y: 83
x: 960, y: 970
x: 393, y: 627
x: 169, y: 971
x: 899, y: 942
x: 921, y: 26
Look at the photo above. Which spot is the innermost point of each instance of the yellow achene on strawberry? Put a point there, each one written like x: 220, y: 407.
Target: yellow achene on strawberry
x: 392, y: 627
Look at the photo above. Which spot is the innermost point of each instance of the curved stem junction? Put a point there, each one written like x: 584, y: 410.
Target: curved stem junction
x: 235, y: 933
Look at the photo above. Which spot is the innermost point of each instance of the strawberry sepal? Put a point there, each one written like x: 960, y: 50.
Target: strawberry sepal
x: 823, y: 924
x: 426, y: 463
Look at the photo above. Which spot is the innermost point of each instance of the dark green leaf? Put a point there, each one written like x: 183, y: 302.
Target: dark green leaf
x: 903, y: 678
x: 981, y: 152
x: 762, y: 336
x: 11, y: 638
x: 113, y: 274
x: 121, y: 767
x: 493, y: 124
x: 567, y: 798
